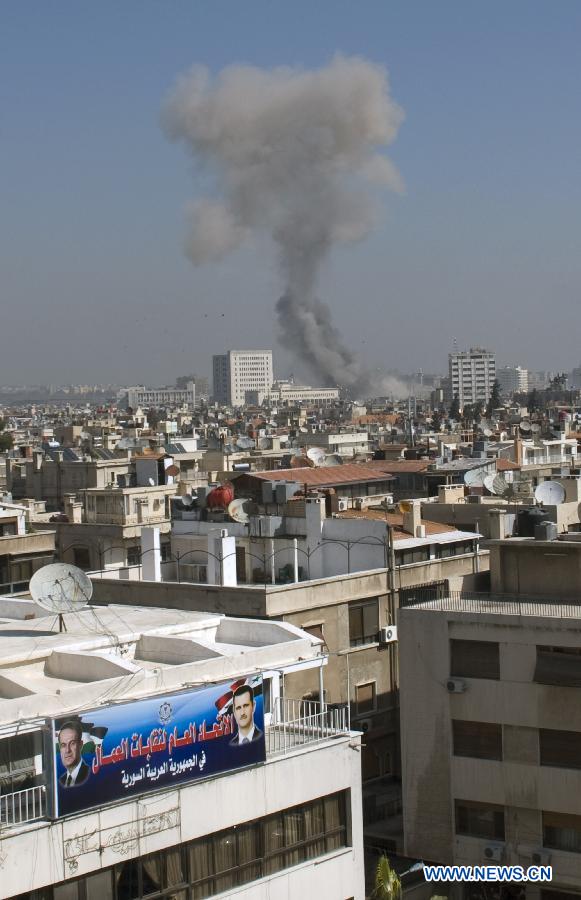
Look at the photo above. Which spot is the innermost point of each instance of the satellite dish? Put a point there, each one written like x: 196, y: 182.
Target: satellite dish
x: 187, y: 500
x: 245, y: 443
x: 333, y: 459
x: 474, y: 477
x: 151, y: 482
x: 499, y: 485
x: 263, y: 443
x: 550, y: 493
x: 405, y: 506
x: 525, y: 427
x: 488, y: 483
x: 173, y: 471
x: 535, y: 428
x: 487, y: 432
x: 303, y: 430
x: 316, y: 455
x: 239, y: 510
x: 496, y: 485
x: 61, y: 588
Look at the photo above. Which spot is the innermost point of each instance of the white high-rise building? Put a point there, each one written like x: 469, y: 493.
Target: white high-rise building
x: 240, y: 371
x: 472, y: 375
x: 513, y: 379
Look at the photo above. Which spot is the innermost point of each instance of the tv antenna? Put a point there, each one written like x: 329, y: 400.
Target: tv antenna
x: 61, y: 588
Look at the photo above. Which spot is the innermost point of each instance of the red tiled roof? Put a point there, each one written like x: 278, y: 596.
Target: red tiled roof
x: 393, y: 466
x: 395, y: 520
x: 348, y: 473
x: 506, y: 465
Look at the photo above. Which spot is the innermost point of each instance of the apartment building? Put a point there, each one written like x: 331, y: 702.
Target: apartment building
x: 21, y: 552
x: 139, y: 784
x: 512, y: 380
x: 238, y: 373
x: 472, y: 374
x: 173, y: 397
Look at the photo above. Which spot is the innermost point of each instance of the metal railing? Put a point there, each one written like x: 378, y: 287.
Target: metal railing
x: 23, y: 806
x: 498, y: 604
x: 295, y: 723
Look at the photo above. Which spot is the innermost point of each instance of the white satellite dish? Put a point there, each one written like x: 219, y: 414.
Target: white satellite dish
x: 303, y: 430
x: 487, y: 432
x: 496, y: 485
x: 187, y: 499
x: 535, y: 427
x: 239, y: 510
x: 263, y: 443
x: 488, y: 483
x: 151, y: 482
x: 525, y: 427
x: 245, y: 443
x: 316, y: 455
x: 550, y: 493
x: 61, y: 588
x: 474, y: 477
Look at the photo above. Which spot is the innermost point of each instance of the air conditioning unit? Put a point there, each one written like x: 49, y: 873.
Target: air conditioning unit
x: 494, y: 852
x: 540, y: 857
x: 342, y: 505
x: 455, y: 686
x: 363, y: 725
x: 388, y: 634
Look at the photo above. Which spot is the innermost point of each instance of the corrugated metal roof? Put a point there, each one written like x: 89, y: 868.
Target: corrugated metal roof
x: 322, y: 476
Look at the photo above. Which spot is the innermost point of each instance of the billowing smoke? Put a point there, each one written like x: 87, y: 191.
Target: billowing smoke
x: 296, y: 154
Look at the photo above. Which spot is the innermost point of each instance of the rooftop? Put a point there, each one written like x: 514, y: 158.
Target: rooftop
x: 348, y: 473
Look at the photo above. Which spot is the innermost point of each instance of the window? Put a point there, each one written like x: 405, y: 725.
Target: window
x: 558, y: 665
x: 221, y: 861
x: 415, y: 555
x: 474, y: 659
x: 560, y: 748
x: 363, y: 622
x: 315, y: 630
x: 133, y: 556
x: 365, y: 698
x: 481, y: 820
x: 562, y: 832
x: 479, y: 740
x: 17, y: 767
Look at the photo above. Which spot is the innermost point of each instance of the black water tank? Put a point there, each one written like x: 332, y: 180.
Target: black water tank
x: 528, y: 518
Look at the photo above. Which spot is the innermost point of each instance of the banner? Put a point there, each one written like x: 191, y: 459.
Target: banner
x: 120, y: 751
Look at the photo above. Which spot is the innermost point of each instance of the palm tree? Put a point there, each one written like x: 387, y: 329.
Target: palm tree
x: 387, y: 884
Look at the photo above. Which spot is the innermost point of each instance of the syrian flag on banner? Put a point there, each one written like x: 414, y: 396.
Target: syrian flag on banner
x: 92, y: 735
x: 224, y: 704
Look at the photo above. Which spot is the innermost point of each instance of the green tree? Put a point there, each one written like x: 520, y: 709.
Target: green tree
x: 436, y: 420
x: 454, y: 411
x: 534, y: 401
x: 387, y: 883
x: 6, y: 442
x: 494, y: 401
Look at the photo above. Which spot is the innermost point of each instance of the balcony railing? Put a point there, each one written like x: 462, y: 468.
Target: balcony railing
x: 295, y: 723
x: 22, y: 806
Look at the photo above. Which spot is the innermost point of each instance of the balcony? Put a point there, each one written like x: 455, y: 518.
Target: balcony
x: 24, y: 806
x: 296, y: 723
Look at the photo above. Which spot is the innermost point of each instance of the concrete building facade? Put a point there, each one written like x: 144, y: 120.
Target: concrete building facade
x: 472, y: 374
x: 241, y: 372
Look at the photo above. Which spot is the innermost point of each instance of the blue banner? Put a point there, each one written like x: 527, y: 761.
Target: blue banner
x: 120, y: 751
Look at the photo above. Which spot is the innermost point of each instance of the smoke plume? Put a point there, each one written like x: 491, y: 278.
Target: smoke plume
x: 295, y: 154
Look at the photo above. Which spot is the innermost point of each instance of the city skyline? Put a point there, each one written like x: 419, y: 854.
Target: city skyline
x: 481, y: 246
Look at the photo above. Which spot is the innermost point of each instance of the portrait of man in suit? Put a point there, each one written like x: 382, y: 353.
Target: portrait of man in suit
x: 70, y: 746
x: 244, y: 705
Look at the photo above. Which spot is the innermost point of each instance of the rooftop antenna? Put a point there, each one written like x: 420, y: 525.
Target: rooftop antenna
x: 61, y: 588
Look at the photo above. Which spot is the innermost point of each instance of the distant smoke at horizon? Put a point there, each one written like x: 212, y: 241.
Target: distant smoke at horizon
x: 293, y: 153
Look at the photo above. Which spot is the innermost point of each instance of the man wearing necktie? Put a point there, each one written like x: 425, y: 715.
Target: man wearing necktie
x: 70, y: 746
x: 244, y: 705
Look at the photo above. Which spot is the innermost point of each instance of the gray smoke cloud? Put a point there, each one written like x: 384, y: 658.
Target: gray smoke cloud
x: 296, y: 154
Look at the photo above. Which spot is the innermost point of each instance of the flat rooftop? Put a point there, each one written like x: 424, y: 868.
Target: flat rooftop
x: 123, y: 651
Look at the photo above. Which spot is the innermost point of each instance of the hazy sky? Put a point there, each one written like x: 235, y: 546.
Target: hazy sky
x: 483, y: 245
